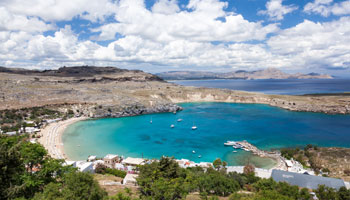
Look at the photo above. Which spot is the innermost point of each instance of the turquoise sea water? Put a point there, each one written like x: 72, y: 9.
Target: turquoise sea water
x: 262, y: 125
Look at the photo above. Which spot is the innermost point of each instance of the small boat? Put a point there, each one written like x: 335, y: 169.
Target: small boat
x: 150, y: 121
x: 78, y: 145
x: 172, y: 126
x: 199, y: 156
x: 179, y: 120
x: 174, y: 112
x: 234, y: 151
x: 230, y: 143
x: 245, y: 149
x: 194, y: 127
x: 193, y: 151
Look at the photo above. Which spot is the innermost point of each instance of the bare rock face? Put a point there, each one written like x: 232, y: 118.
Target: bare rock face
x: 113, y: 92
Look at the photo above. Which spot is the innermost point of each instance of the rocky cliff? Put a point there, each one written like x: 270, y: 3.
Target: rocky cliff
x: 114, y: 93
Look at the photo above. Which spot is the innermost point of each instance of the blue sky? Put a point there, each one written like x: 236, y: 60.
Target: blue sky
x: 164, y: 35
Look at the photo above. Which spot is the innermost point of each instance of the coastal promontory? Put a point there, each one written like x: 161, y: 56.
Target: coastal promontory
x: 113, y: 92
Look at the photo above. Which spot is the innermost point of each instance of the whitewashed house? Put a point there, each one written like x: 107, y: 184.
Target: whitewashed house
x: 84, y: 166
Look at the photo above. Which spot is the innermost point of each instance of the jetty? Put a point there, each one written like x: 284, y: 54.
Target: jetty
x: 276, y: 155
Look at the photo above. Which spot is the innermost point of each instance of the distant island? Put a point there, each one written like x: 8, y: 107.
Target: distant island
x: 269, y: 73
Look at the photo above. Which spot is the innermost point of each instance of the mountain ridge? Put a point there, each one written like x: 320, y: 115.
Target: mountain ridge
x: 269, y: 73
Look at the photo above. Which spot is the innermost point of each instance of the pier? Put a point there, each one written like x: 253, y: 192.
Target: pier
x: 281, y: 164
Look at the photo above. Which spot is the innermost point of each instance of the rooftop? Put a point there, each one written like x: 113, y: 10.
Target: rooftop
x: 133, y: 161
x: 306, y: 181
x: 110, y: 156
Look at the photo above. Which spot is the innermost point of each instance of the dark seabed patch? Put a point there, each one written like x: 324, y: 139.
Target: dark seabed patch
x: 144, y: 137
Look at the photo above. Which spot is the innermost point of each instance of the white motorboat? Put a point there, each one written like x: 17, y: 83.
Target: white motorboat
x: 199, y: 156
x: 179, y: 120
x: 234, y: 151
x: 193, y: 151
x: 172, y: 126
x: 150, y: 121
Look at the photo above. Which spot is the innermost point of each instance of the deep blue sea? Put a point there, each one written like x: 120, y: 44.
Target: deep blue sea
x: 262, y: 125
x: 276, y: 86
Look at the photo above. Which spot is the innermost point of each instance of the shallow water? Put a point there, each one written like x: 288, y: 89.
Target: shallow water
x: 262, y: 125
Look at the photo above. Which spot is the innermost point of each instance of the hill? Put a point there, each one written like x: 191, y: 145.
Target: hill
x: 113, y: 92
x: 270, y: 73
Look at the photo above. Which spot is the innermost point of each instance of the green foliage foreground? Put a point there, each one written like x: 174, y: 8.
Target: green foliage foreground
x: 26, y: 172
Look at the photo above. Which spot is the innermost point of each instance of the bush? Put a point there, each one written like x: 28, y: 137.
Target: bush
x: 116, y: 172
x: 102, y: 169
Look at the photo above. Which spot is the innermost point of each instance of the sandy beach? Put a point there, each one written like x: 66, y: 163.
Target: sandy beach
x: 51, y: 137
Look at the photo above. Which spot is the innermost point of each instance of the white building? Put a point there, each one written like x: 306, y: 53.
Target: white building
x: 120, y: 166
x: 96, y: 162
x: 91, y: 158
x: 11, y: 133
x: 130, y: 179
x: 32, y: 140
x: 69, y: 162
x: 133, y: 161
x: 205, y: 164
x: 110, y: 160
x: 29, y: 122
x: 84, y: 166
x: 31, y: 130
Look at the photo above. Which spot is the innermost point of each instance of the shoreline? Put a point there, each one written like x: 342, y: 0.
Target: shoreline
x: 51, y: 137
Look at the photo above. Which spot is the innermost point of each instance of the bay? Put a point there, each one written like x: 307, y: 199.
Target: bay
x: 265, y: 126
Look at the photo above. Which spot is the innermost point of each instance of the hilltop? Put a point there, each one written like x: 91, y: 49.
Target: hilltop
x: 113, y: 92
x: 270, y: 73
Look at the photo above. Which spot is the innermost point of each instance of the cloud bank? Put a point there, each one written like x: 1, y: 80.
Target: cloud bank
x: 200, y: 34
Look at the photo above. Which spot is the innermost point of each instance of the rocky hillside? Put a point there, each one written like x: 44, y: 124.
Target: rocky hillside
x: 108, y: 91
x: 270, y: 73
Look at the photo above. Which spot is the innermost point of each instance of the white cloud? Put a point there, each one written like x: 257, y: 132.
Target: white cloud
x: 15, y: 22
x: 55, y: 10
x: 201, y: 35
x: 314, y: 45
x: 326, y: 7
x: 276, y: 11
x: 165, y: 7
x: 201, y: 24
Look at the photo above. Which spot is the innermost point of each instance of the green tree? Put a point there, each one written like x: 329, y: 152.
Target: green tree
x: 265, y: 184
x: 162, y: 179
x: 270, y: 195
x: 27, y: 170
x: 325, y: 193
x: 120, y: 196
x: 11, y: 168
x: 75, y: 186
x: 304, y: 194
x: 343, y: 193
x: 217, y: 163
x: 80, y: 185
